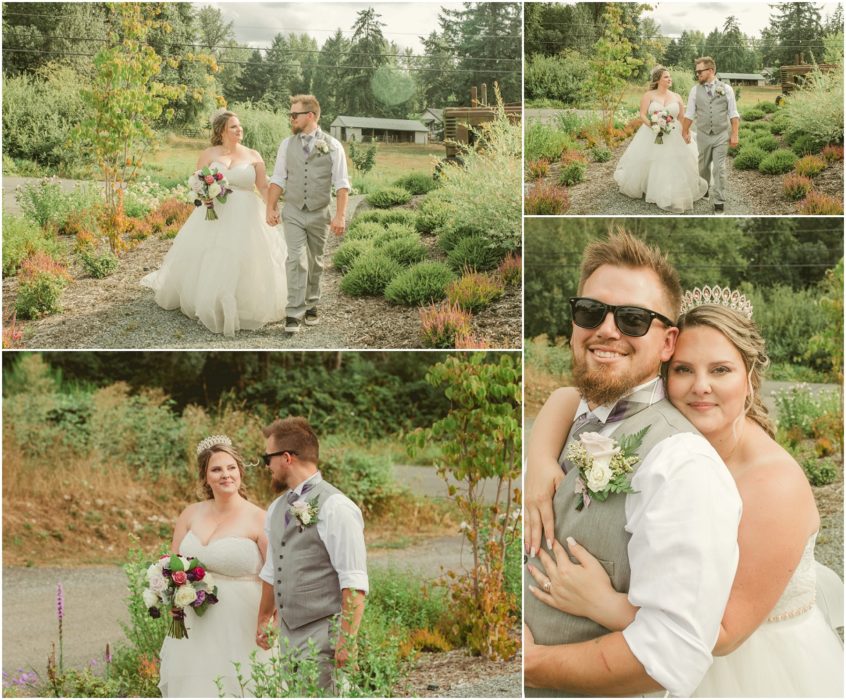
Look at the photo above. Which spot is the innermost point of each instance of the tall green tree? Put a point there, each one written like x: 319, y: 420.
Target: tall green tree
x: 280, y: 72
x: 367, y: 53
x: 304, y: 52
x: 799, y: 30
x: 437, y: 77
x: 213, y: 32
x: 328, y: 84
x: 252, y: 81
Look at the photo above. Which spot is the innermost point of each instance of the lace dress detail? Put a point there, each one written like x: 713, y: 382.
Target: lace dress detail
x: 801, y: 592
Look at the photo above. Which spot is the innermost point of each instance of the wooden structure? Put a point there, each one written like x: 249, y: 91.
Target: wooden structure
x: 793, y: 77
x: 460, y: 122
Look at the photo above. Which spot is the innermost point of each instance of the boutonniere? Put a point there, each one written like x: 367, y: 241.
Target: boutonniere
x: 720, y: 89
x: 321, y: 146
x: 604, y: 465
x: 305, y: 512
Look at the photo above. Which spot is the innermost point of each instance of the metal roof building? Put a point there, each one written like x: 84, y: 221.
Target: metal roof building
x: 375, y: 129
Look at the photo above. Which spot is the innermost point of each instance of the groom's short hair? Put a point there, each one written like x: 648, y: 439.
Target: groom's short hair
x: 309, y: 102
x: 622, y: 249
x: 707, y: 61
x: 294, y: 434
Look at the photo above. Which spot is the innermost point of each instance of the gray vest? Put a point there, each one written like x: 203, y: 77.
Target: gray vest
x: 600, y: 528
x: 305, y: 582
x: 309, y: 184
x: 711, y: 112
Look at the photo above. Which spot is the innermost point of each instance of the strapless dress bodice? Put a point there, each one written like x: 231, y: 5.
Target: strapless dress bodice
x: 235, y: 557
x: 801, y: 591
x: 240, y: 177
x: 672, y: 108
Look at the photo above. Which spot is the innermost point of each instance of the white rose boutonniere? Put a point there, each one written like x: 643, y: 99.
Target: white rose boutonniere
x: 321, y: 146
x: 720, y: 89
x: 305, y: 512
x: 604, y: 464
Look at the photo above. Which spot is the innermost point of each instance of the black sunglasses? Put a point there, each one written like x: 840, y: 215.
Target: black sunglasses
x: 704, y: 70
x: 294, y: 115
x: 267, y: 457
x: 633, y: 321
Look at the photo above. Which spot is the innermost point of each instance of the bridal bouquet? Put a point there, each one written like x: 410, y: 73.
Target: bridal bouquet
x: 176, y: 583
x: 604, y: 465
x: 662, y: 123
x: 208, y: 184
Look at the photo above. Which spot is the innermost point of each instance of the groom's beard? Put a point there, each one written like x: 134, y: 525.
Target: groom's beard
x: 598, y: 386
x: 277, y: 485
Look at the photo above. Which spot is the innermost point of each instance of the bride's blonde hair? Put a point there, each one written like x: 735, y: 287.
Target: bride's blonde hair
x: 219, y: 120
x: 655, y: 76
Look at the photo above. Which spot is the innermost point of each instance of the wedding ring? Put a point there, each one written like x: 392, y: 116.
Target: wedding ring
x: 547, y: 586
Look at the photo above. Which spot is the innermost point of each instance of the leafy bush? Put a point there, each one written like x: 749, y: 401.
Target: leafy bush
x: 142, y: 197
x: 818, y: 204
x: 749, y: 157
x: 23, y: 238
x: 349, y: 252
x: 46, y: 204
x: 416, y: 183
x: 366, y: 479
x: 810, y: 166
x: 544, y: 141
x: 820, y: 471
x: 394, y: 232
x: 817, y: 108
x: 264, y: 130
x: 370, y: 274
x: 364, y: 231
x: 572, y: 173
x: 432, y: 214
x: 475, y: 253
x: 562, y: 77
x: 752, y: 114
x: 805, y: 144
x: 98, y: 266
x: 40, y: 295
x: 406, y: 251
x: 474, y: 291
x: 780, y: 123
x: 363, y: 159
x: 600, y: 154
x: 442, y: 323
x: 767, y: 107
x: 385, y: 217
x: 388, y: 197
x: 796, y: 186
x: 449, y: 238
x: 536, y: 169
x: 547, y: 199
x: 420, y: 284
x: 779, y: 161
x: 766, y: 142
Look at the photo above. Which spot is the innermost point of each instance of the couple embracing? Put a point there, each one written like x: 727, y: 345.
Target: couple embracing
x: 299, y: 568
x: 664, y: 164
x: 236, y: 271
x: 671, y: 539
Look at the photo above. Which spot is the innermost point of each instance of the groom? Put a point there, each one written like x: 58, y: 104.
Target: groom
x: 315, y: 573
x: 308, y: 165
x: 711, y: 104
x: 672, y: 544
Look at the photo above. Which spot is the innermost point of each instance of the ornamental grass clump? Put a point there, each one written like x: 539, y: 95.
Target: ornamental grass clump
x: 406, y: 251
x: 752, y: 114
x: 23, y: 238
x: 475, y: 253
x: 468, y: 341
x: 779, y: 161
x: 349, y: 252
x: 433, y: 213
x: 767, y: 107
x: 547, y: 199
x: 366, y: 231
x: 388, y: 197
x: 817, y: 108
x: 818, y: 204
x: 832, y: 153
x: 796, y: 186
x: 780, y: 123
x: 810, y: 166
x: 370, y: 274
x: 441, y: 324
x: 510, y: 270
x: 805, y: 144
x: 393, y: 232
x: 749, y: 157
x: 536, y: 169
x: 385, y: 217
x: 766, y: 142
x: 416, y: 183
x: 474, y: 291
x: 451, y: 237
x: 423, y: 283
x: 572, y: 173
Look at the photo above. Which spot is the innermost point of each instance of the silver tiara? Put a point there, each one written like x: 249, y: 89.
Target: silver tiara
x: 211, y: 441
x: 718, y: 296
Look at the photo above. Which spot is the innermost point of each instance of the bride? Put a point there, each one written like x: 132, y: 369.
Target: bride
x: 774, y: 638
x: 226, y: 533
x: 666, y: 174
x: 228, y: 273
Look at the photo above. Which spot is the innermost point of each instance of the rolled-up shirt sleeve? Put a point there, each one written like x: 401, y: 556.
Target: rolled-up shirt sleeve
x: 690, y: 110
x: 340, y: 174
x: 732, y: 103
x: 683, y: 553
x: 280, y: 168
x: 342, y: 530
x: 266, y: 573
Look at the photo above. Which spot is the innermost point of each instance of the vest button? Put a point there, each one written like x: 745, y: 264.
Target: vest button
x: 279, y: 569
x: 279, y: 580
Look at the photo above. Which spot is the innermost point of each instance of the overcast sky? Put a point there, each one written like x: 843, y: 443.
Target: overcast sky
x: 675, y: 17
x: 257, y: 23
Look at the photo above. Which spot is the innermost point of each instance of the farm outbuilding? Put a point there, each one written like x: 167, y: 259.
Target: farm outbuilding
x: 742, y: 78
x: 375, y: 129
x: 434, y: 119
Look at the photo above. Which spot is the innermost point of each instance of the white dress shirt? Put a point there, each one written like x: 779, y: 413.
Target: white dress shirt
x: 683, y: 555
x: 340, y: 175
x: 340, y: 527
x: 690, y: 111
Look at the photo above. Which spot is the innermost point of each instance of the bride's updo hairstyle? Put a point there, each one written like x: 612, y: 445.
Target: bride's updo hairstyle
x: 203, y: 465
x: 219, y: 120
x: 745, y: 336
x: 655, y: 76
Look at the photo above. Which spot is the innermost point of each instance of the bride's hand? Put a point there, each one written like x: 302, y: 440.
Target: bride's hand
x: 541, y: 482
x: 582, y: 589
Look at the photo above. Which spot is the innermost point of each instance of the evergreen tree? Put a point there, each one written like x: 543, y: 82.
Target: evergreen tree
x: 367, y: 53
x: 799, y: 30
x: 437, y: 77
x: 212, y: 31
x: 280, y: 71
x: 252, y: 81
x: 328, y: 83
x: 304, y: 52
x: 732, y: 56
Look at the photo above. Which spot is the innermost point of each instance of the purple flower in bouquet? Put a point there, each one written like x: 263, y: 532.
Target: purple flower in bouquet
x: 200, y: 599
x: 206, y: 185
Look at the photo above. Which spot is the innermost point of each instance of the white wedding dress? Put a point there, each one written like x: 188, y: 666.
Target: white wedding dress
x: 667, y: 173
x: 795, y: 652
x: 226, y: 633
x: 229, y: 273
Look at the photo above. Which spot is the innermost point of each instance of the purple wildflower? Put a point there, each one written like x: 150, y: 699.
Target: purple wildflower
x: 60, y: 601
x: 108, y: 654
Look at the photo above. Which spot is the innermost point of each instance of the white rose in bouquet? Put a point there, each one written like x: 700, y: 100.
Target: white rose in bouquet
x: 185, y: 595
x: 194, y: 183
x: 157, y: 583
x: 150, y: 598
x: 214, y: 190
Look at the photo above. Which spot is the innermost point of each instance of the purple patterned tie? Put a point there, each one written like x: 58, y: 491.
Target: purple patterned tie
x: 709, y: 89
x: 306, y: 143
x: 292, y: 498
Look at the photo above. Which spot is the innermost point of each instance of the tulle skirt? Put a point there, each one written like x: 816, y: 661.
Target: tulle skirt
x: 224, y: 635
x: 667, y: 173
x: 229, y: 273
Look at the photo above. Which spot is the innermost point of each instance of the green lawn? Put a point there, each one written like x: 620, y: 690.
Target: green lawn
x: 749, y: 96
